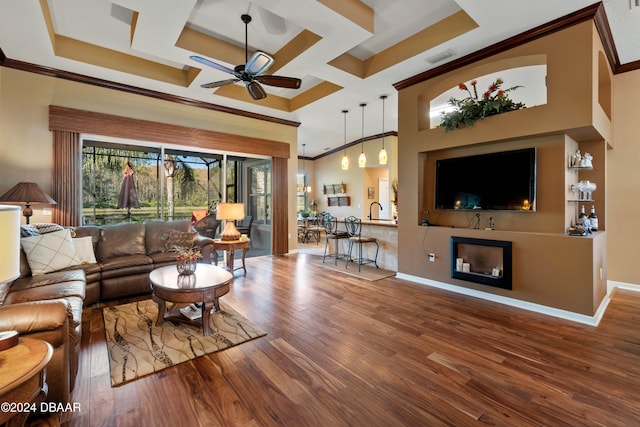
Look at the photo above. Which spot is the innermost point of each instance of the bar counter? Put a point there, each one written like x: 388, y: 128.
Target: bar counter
x: 386, y: 233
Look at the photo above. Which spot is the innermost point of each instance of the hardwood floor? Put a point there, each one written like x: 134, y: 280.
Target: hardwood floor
x: 345, y: 352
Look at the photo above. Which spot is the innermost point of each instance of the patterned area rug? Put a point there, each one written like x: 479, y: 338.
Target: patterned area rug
x: 137, y: 347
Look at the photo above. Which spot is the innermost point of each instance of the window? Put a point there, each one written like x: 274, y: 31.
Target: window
x: 301, y: 199
x: 167, y: 188
x: 259, y: 175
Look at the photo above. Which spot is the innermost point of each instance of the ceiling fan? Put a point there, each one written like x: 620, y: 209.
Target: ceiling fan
x: 250, y: 73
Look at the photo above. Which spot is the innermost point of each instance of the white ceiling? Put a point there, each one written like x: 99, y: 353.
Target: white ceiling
x: 24, y: 37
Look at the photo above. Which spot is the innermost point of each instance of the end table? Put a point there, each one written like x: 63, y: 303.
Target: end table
x: 231, y: 246
x: 22, y: 379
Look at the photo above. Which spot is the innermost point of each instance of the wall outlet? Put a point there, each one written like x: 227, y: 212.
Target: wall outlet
x: 46, y: 211
x: 432, y: 257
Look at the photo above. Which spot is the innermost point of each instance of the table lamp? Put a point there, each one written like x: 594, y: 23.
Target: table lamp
x: 27, y: 193
x: 230, y: 212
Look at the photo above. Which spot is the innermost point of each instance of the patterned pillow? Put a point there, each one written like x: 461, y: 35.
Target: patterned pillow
x: 49, y: 252
x: 183, y: 239
x: 30, y: 230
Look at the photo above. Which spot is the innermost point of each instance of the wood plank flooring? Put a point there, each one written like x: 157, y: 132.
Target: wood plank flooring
x: 346, y: 352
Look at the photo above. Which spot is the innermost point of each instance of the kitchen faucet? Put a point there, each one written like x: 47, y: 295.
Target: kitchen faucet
x: 370, y: 206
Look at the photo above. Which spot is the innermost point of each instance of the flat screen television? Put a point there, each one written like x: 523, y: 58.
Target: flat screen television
x: 496, y: 181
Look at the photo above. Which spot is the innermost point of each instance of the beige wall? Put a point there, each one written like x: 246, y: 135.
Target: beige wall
x: 27, y: 143
x: 326, y: 170
x: 623, y: 177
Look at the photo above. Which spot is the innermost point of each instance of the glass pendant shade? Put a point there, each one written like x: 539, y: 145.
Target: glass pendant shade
x: 362, y: 160
x: 382, y: 156
x: 345, y: 162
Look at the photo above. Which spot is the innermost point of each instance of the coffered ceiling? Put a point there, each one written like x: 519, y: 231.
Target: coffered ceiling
x: 346, y: 52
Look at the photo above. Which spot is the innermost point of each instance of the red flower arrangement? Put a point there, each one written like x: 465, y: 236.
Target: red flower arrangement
x: 473, y: 108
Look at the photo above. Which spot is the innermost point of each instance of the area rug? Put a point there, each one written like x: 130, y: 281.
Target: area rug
x: 137, y: 347
x: 367, y: 271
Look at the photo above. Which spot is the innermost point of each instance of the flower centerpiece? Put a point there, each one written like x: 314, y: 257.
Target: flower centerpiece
x: 473, y: 108
x: 186, y: 259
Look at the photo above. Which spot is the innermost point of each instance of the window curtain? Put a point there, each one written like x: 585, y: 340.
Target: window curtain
x: 67, y: 178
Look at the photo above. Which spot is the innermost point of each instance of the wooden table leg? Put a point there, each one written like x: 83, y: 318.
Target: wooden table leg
x: 206, y: 312
x: 162, y: 309
x: 244, y: 253
x: 230, y: 259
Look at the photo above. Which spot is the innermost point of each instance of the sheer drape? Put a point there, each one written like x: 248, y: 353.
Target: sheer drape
x: 67, y: 178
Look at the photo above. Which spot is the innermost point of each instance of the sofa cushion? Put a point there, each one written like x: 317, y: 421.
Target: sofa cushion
x: 163, y: 258
x: 125, y: 262
x: 158, y: 233
x: 42, y: 293
x: 49, y: 252
x: 48, y: 279
x: 120, y: 240
x: 84, y: 250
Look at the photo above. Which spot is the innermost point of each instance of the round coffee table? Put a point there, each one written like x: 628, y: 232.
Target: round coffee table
x: 205, y: 286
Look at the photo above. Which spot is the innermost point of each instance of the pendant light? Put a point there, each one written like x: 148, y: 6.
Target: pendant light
x: 345, y: 159
x: 305, y: 188
x: 362, y: 160
x: 382, y: 156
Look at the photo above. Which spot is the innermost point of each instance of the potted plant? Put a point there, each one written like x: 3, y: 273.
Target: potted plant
x: 473, y: 108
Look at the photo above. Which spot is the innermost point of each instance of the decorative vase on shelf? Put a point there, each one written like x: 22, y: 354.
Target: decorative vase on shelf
x: 186, y: 266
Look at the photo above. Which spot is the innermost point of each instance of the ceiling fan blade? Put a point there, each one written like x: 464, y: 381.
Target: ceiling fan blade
x: 215, y: 65
x: 256, y: 91
x: 220, y: 83
x: 280, y: 81
x: 258, y: 63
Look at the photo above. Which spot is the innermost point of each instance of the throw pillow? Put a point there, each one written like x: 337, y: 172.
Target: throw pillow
x: 49, y: 252
x: 84, y: 250
x: 47, y: 227
x: 28, y: 231
x: 183, y: 239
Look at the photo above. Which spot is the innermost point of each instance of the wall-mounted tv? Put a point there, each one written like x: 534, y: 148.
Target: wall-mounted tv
x: 496, y: 181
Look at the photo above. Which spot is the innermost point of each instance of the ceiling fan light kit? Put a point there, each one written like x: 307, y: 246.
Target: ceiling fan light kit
x: 251, y: 72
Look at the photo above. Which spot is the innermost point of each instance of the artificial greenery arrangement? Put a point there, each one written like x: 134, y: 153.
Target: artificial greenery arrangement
x: 472, y: 108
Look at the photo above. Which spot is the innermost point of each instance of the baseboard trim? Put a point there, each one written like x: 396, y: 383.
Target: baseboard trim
x: 525, y: 305
x: 612, y: 285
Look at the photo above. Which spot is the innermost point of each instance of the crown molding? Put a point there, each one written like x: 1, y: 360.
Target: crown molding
x: 81, y: 78
x: 594, y: 12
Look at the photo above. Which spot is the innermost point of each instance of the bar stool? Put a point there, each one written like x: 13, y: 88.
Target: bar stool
x: 332, y: 232
x: 354, y: 229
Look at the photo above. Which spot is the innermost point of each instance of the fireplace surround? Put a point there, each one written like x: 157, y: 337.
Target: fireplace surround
x: 484, y: 261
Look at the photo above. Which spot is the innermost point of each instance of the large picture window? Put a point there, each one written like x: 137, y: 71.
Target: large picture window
x: 168, y: 183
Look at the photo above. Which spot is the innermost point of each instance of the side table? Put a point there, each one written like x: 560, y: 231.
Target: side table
x: 23, y: 380
x: 231, y: 246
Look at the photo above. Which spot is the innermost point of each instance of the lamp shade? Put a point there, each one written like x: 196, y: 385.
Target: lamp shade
x: 10, y: 244
x: 230, y: 212
x: 27, y: 193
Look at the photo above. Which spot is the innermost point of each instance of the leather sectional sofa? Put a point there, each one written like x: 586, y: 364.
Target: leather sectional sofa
x: 126, y: 253
x: 49, y: 306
